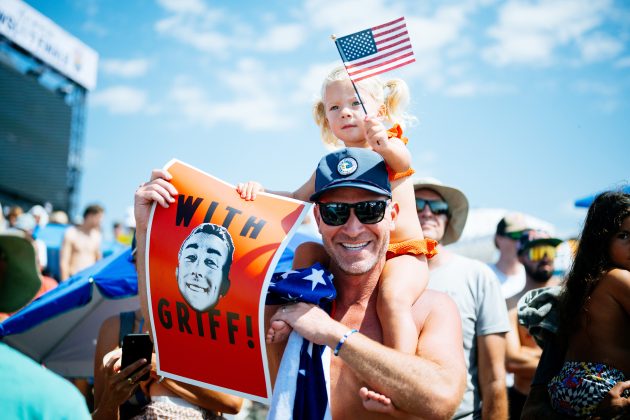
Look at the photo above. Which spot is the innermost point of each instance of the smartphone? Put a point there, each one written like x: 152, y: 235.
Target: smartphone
x: 136, y: 347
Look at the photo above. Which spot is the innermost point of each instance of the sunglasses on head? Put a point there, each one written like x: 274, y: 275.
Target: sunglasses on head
x: 368, y: 212
x: 537, y: 253
x: 436, y: 206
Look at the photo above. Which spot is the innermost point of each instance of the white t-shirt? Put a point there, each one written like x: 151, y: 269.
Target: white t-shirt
x: 510, y: 285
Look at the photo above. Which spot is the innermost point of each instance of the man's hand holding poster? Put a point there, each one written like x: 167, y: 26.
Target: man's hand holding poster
x: 210, y: 257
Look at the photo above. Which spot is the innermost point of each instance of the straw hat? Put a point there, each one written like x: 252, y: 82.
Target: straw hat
x: 19, y: 279
x: 457, y: 204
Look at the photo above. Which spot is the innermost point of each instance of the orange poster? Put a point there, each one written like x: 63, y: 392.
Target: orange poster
x: 210, y: 257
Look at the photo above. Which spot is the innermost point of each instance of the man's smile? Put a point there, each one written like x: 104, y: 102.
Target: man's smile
x: 355, y: 247
x: 196, y: 288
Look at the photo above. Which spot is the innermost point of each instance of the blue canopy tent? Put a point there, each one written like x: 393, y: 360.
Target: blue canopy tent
x: 52, y: 235
x: 61, y: 327
x: 586, y: 201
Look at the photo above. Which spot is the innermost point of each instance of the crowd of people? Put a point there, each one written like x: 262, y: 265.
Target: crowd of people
x: 417, y: 331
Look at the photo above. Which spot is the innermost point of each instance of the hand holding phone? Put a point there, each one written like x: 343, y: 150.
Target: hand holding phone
x: 136, y: 347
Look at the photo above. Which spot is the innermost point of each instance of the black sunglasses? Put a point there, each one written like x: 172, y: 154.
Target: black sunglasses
x: 436, y: 206
x: 368, y: 212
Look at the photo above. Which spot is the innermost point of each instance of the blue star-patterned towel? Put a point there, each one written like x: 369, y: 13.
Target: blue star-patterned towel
x: 301, y: 390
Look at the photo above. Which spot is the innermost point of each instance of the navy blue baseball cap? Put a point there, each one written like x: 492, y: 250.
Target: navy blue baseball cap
x: 352, y: 167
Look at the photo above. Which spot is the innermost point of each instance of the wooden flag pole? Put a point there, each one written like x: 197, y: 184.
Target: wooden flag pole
x: 334, y: 38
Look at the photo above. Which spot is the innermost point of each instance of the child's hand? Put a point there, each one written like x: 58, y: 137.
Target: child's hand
x: 248, y: 190
x: 375, y: 133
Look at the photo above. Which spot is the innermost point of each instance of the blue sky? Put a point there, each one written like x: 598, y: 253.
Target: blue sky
x: 522, y: 105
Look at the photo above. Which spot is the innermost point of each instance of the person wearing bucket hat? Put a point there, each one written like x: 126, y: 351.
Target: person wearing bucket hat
x: 19, y: 268
x: 28, y: 390
x: 443, y: 211
x: 18, y: 271
x: 536, y: 250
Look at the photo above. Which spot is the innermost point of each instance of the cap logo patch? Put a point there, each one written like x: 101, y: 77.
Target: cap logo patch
x: 347, y: 166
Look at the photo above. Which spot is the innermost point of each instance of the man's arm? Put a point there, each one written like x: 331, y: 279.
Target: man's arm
x: 491, y: 368
x: 64, y: 257
x: 206, y: 398
x: 97, y: 253
x: 519, y: 359
x: 429, y: 384
x: 158, y: 190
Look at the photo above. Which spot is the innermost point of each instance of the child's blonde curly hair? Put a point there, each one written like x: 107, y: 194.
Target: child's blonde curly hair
x: 394, y: 94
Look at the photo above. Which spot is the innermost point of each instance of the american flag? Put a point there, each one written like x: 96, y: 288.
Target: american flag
x: 311, y: 400
x: 376, y: 50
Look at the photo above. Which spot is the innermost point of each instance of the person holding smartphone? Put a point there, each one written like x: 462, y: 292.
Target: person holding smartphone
x: 120, y: 393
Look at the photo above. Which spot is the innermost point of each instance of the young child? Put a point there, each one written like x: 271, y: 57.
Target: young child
x: 594, y: 310
x: 343, y: 123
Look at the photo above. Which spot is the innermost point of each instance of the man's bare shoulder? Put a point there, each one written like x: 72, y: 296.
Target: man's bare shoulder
x: 70, y: 233
x: 432, y: 302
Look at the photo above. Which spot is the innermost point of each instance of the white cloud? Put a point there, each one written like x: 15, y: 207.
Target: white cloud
x: 308, y: 87
x: 212, y: 31
x: 529, y: 33
x: 183, y: 6
x: 195, y: 30
x: 125, y: 68
x: 430, y: 35
x: 282, y: 38
x: 254, y: 104
x: 120, y: 99
x: 437, y: 39
x: 347, y: 16
x: 599, y: 47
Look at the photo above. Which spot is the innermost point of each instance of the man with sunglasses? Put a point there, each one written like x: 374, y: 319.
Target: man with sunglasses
x: 355, y: 215
x: 536, y: 251
x: 443, y: 211
x: 508, y: 268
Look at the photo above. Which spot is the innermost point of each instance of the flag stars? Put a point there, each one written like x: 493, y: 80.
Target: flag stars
x: 358, y: 45
x: 316, y: 277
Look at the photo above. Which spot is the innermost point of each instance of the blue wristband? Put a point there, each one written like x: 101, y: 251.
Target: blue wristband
x: 343, y: 340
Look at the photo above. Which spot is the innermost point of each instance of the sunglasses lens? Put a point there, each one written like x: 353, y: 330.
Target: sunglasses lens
x: 436, y: 206
x: 370, y: 212
x: 537, y: 253
x: 514, y: 235
x: 334, y: 214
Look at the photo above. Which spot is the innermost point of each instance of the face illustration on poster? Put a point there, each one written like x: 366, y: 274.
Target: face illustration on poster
x: 204, y: 262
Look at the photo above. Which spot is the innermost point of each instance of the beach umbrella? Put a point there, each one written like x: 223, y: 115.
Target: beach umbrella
x: 586, y: 201
x: 60, y: 328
